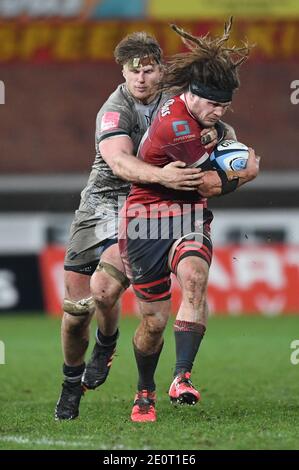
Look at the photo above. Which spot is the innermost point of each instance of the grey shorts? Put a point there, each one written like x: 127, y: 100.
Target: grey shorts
x: 87, y: 243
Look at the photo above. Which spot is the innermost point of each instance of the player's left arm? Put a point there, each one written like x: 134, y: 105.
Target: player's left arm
x: 217, y: 183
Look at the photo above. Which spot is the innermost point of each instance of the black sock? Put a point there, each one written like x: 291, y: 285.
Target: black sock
x: 188, y: 337
x: 146, y: 365
x: 73, y: 374
x: 103, y: 340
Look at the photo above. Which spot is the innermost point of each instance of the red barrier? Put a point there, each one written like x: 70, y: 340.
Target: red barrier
x: 252, y: 279
x: 243, y: 280
x: 51, y: 267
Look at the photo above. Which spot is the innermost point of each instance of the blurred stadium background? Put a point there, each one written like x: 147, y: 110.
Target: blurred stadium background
x: 56, y: 70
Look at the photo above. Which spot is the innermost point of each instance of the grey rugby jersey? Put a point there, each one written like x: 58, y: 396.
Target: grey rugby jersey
x: 120, y: 115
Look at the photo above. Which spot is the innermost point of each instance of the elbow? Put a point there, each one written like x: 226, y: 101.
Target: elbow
x: 120, y: 171
x: 118, y: 174
x: 116, y: 170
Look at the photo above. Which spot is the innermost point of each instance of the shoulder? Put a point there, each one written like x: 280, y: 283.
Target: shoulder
x: 174, y: 109
x: 175, y: 120
x: 172, y: 106
x: 116, y: 112
x: 119, y: 101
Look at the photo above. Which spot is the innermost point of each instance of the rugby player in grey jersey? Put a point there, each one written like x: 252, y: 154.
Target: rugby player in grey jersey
x: 120, y: 126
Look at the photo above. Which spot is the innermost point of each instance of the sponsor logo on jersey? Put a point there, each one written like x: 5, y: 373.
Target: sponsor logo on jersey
x: 110, y: 120
x: 180, y: 128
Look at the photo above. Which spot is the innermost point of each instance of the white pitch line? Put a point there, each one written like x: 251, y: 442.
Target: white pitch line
x: 44, y: 441
x: 52, y: 442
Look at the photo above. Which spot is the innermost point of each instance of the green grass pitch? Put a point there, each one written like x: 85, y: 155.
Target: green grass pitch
x: 250, y: 390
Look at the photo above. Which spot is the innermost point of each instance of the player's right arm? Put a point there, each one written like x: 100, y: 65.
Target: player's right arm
x: 117, y: 151
x: 212, y: 185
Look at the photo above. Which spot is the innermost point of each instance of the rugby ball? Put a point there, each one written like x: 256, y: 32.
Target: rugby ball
x: 229, y: 155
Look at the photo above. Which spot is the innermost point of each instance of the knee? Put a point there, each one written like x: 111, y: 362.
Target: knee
x: 104, y: 291
x: 155, y: 323
x: 194, y: 282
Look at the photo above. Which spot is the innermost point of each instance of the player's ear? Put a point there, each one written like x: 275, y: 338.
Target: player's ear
x: 124, y: 72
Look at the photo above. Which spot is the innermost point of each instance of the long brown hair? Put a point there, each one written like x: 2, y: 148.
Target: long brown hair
x: 209, y: 62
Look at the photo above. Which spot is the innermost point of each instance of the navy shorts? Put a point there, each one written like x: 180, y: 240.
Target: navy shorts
x: 146, y: 257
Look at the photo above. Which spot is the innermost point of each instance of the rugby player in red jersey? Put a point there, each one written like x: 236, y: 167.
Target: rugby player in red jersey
x: 167, y: 231
x: 120, y: 125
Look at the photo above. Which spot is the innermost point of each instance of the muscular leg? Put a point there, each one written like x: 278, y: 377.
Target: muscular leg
x: 148, y: 340
x: 191, y: 320
x: 106, y: 285
x: 74, y: 337
x: 189, y: 327
x: 192, y: 274
x: 106, y: 291
x: 75, y: 329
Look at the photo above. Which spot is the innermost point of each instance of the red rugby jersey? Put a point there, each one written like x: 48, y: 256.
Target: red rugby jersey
x: 173, y: 135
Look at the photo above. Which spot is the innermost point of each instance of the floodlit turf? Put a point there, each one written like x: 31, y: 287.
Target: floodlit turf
x: 250, y: 391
